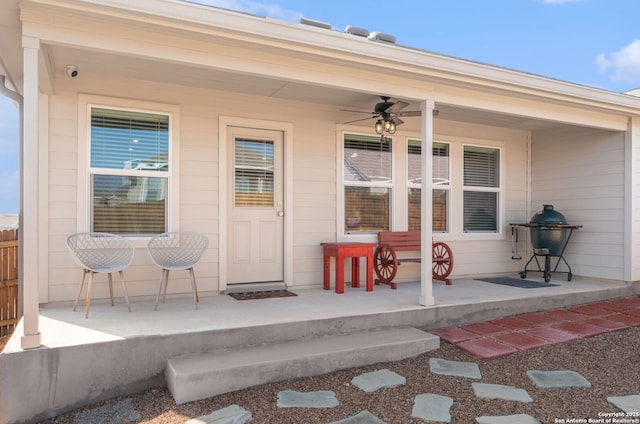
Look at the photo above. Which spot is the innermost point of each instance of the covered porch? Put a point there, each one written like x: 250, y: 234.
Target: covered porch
x: 465, y: 301
x: 209, y: 71
x: 216, y: 70
x: 114, y: 352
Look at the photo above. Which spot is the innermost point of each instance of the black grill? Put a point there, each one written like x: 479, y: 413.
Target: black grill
x: 550, y: 234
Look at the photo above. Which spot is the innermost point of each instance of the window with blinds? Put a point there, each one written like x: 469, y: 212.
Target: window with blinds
x: 129, y: 171
x: 441, y: 185
x: 368, y: 183
x: 254, y: 162
x: 481, y: 190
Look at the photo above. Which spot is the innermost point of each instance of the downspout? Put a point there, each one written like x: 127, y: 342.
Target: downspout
x: 20, y: 101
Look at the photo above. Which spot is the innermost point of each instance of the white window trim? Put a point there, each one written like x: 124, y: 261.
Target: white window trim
x: 85, y: 103
x: 499, y: 234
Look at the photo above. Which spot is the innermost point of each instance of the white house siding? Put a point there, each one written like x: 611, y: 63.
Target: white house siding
x: 313, y: 191
x: 581, y: 172
x: 314, y: 198
x: 314, y: 194
x: 475, y: 254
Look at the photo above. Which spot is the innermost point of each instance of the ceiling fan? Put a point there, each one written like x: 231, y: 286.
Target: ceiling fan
x: 388, y: 114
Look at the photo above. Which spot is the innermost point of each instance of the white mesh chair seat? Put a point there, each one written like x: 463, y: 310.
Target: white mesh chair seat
x: 175, y: 251
x: 100, y: 253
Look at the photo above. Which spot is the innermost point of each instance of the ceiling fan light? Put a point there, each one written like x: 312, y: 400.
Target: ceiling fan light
x: 379, y: 127
x: 389, y: 125
x: 392, y: 127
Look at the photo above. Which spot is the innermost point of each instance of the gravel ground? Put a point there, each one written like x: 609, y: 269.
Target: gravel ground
x: 611, y: 362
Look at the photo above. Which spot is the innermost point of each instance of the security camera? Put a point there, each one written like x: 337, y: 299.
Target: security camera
x: 71, y: 71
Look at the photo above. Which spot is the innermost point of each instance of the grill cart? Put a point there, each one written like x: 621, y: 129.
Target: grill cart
x: 550, y: 233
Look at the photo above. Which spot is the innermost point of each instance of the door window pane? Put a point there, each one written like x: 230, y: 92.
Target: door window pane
x: 254, y: 161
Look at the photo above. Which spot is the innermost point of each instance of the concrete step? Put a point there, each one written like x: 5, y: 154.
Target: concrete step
x: 194, y: 377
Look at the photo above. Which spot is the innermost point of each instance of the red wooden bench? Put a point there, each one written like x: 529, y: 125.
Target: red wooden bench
x: 386, y: 260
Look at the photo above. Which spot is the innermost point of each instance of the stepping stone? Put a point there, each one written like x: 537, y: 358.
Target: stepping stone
x: 319, y: 399
x: 233, y: 414
x: 432, y: 408
x: 372, y: 381
x: 114, y: 413
x: 498, y: 391
x: 364, y: 417
x: 454, y: 368
x: 562, y: 379
x: 629, y: 404
x: 507, y: 419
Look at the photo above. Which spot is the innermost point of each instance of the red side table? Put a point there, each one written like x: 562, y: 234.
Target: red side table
x: 348, y: 250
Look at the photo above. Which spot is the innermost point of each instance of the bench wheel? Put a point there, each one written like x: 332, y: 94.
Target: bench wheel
x: 385, y: 263
x: 442, y: 261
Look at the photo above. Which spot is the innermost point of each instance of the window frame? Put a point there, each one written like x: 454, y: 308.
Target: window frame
x: 399, y: 197
x: 447, y: 187
x: 85, y: 171
x: 498, y: 190
x: 390, y: 185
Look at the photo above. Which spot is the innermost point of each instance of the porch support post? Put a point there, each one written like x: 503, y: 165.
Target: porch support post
x: 426, y: 228
x: 632, y: 190
x: 29, y: 188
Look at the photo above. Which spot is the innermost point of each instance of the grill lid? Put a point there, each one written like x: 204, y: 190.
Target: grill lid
x: 548, y: 216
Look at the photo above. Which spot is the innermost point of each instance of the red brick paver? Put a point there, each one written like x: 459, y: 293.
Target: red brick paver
x: 454, y: 335
x: 486, y: 348
x: 503, y: 336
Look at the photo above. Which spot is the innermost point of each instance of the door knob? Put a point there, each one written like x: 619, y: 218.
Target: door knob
x: 280, y: 213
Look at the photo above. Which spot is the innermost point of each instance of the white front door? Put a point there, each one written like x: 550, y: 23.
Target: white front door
x: 255, y: 233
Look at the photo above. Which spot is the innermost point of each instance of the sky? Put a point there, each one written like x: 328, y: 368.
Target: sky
x: 589, y: 42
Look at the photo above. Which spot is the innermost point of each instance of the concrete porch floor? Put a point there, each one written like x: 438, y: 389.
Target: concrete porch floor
x: 466, y: 301
x: 114, y: 352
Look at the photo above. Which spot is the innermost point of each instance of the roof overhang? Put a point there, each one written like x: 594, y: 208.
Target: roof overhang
x: 316, y: 64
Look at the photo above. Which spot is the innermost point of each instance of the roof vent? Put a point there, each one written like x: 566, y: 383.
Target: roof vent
x: 318, y: 24
x: 360, y: 32
x: 381, y: 36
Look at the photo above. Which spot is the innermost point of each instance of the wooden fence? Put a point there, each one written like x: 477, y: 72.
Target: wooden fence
x: 8, y: 281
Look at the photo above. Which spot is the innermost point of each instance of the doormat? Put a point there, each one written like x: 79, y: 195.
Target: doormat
x: 515, y: 282
x: 268, y: 294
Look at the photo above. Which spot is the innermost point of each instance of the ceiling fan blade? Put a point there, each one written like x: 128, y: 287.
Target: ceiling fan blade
x: 397, y: 107
x: 397, y: 120
x: 410, y: 113
x: 357, y: 120
x: 355, y: 111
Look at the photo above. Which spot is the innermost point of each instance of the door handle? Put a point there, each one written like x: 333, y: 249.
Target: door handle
x: 280, y: 213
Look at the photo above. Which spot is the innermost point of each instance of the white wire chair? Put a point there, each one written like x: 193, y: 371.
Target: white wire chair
x: 100, y: 253
x: 173, y: 251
